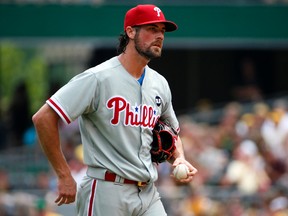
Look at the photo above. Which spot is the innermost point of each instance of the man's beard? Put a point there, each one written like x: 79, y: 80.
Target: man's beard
x: 147, y: 53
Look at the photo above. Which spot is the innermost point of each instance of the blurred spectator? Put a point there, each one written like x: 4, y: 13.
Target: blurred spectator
x: 17, y: 204
x: 249, y: 124
x: 19, y: 118
x: 279, y: 206
x: 234, y: 207
x: 4, y: 181
x: 277, y: 171
x: 226, y: 128
x: 204, y: 110
x: 275, y: 130
x: 191, y: 135
x: 247, y: 170
x: 197, y: 204
x: 43, y: 182
x: 211, y: 159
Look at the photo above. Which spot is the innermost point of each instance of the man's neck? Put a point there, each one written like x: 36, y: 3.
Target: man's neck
x: 133, y: 63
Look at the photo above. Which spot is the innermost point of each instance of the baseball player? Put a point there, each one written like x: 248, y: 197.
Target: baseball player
x: 117, y: 104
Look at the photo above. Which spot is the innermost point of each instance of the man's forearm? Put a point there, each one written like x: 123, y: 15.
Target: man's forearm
x: 46, y: 124
x: 179, y: 151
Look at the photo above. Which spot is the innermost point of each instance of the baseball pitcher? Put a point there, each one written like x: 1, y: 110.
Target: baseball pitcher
x: 117, y: 103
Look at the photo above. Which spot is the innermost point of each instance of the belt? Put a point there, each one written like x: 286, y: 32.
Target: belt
x: 112, y: 177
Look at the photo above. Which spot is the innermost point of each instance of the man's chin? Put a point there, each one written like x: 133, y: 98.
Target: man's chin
x: 157, y: 53
x: 152, y: 56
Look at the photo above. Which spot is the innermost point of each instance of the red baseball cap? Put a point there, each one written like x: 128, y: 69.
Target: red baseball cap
x: 147, y: 14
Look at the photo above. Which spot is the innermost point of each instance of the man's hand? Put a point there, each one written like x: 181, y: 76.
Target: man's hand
x: 191, y: 173
x: 67, y: 189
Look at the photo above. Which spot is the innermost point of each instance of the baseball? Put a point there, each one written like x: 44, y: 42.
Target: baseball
x: 180, y: 171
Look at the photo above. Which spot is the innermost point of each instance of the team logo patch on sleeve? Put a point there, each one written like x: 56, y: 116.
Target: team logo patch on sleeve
x: 158, y: 101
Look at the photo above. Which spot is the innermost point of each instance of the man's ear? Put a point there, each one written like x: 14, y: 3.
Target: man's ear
x: 131, y: 32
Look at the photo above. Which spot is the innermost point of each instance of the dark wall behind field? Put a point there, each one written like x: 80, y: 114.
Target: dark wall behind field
x: 214, y: 74
x: 195, y: 74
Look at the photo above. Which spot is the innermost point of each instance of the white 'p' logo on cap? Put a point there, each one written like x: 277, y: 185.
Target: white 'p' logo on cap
x: 157, y: 10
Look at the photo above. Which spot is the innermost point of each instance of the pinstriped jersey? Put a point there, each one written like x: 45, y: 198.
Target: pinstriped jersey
x: 116, y: 116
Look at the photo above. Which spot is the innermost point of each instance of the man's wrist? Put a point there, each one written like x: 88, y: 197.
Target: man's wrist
x: 175, y: 156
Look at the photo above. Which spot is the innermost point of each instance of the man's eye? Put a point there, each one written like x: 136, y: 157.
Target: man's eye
x: 155, y: 29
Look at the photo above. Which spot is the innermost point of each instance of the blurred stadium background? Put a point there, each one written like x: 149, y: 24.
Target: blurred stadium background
x: 227, y: 66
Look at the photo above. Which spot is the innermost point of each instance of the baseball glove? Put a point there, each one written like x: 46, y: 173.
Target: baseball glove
x: 163, y: 144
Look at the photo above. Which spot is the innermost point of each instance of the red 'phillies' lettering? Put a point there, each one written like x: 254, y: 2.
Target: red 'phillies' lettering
x: 118, y: 104
x: 131, y: 118
x: 142, y: 115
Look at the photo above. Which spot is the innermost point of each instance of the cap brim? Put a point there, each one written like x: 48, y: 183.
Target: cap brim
x: 169, y: 25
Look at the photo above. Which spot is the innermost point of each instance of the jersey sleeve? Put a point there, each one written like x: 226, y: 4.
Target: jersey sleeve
x: 75, y: 98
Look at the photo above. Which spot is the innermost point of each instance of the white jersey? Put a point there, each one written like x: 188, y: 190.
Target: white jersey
x: 116, y: 116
